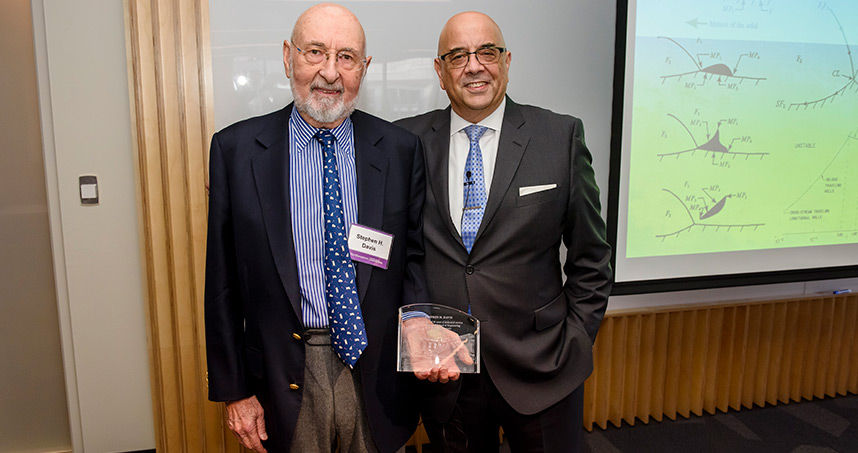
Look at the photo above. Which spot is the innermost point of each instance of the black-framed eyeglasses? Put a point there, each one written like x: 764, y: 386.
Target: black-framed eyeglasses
x: 458, y: 58
x: 346, y: 59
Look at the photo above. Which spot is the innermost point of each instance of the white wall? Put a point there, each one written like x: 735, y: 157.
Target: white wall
x: 83, y: 88
x: 33, y: 410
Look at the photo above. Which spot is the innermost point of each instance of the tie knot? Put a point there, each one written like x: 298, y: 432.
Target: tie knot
x: 475, y: 131
x: 325, y: 137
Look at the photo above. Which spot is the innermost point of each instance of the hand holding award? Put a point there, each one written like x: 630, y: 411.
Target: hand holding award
x: 437, y: 342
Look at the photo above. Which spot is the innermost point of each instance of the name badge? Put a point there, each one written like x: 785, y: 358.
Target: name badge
x: 369, y: 246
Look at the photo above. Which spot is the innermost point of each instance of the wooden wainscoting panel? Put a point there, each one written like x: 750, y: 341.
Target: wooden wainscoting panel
x: 776, y: 355
x: 616, y: 385
x: 763, y: 360
x: 685, y: 361
x: 711, y: 373
x: 631, y: 383
x: 685, y: 371
x: 169, y: 79
x: 698, y: 352
x: 827, y: 366
x: 646, y: 367
x: 763, y: 325
x: 800, y: 350
x: 659, y: 366
x: 752, y: 349
x: 849, y: 356
x: 739, y: 346
x: 814, y: 321
x: 788, y: 353
x: 604, y: 385
x: 724, y: 371
x: 839, y: 345
x: 673, y: 364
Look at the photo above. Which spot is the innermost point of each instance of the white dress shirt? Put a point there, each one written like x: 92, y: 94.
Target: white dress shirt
x: 459, y: 147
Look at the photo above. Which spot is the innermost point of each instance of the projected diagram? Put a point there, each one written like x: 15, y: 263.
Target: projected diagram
x: 713, y: 146
x: 706, y: 207
x: 827, y: 205
x: 736, y: 6
x: 830, y: 180
x: 848, y: 76
x: 760, y: 97
x: 720, y: 73
x: 826, y: 209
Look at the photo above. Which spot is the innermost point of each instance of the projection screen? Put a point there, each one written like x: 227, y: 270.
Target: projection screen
x: 735, y: 153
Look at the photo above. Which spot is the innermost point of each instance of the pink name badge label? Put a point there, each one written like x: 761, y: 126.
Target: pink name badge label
x: 369, y: 246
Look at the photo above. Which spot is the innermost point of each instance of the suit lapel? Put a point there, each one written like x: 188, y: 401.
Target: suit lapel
x: 371, y: 167
x: 271, y: 174
x: 513, y: 141
x: 436, y: 145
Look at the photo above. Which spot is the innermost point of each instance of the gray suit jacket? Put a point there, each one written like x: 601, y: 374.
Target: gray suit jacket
x: 537, y: 332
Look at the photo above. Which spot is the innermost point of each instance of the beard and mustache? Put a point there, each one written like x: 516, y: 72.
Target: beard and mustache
x: 323, y: 109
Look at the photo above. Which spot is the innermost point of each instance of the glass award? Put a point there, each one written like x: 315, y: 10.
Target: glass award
x: 437, y: 336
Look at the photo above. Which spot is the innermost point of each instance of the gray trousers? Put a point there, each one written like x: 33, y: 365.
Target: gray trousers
x: 332, y: 411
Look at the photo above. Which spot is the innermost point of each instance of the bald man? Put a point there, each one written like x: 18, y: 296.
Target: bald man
x: 300, y: 331
x: 507, y: 183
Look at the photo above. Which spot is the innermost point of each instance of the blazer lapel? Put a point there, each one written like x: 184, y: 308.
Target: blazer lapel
x: 436, y: 145
x: 271, y: 174
x: 513, y: 142
x: 371, y: 167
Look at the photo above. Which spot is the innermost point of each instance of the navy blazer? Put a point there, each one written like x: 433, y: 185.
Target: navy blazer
x: 252, y: 294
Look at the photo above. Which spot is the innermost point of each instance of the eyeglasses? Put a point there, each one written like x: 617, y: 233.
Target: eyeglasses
x: 485, y: 55
x: 346, y: 59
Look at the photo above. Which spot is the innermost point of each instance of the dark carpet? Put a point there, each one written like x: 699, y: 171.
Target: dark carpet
x: 818, y: 426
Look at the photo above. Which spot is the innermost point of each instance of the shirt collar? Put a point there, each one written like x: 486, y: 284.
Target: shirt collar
x: 493, y: 121
x: 304, y: 132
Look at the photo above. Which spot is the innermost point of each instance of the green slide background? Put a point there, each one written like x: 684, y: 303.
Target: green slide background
x: 744, y: 126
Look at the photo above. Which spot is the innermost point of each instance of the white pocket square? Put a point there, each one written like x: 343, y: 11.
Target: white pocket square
x: 522, y: 191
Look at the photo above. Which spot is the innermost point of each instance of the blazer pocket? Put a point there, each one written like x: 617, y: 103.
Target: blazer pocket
x: 254, y: 363
x: 550, y: 313
x: 540, y: 196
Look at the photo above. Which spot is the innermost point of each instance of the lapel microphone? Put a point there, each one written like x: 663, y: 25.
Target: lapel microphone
x: 467, y: 189
x: 468, y: 183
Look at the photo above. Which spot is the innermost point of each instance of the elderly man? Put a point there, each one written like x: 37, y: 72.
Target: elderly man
x: 506, y: 184
x: 300, y: 327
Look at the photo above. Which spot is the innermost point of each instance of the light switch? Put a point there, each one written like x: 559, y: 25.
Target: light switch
x: 88, y: 189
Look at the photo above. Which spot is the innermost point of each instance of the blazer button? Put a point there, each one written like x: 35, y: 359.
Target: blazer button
x: 469, y: 270
x: 293, y: 386
x: 296, y: 336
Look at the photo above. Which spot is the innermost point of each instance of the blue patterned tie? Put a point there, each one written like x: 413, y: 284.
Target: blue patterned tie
x: 344, y: 317
x: 475, y: 189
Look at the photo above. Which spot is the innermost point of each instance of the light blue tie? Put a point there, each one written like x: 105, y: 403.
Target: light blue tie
x: 348, y: 336
x: 475, y: 189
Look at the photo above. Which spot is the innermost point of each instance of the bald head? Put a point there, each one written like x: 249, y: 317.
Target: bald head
x: 477, y: 89
x: 471, y: 23
x: 329, y: 16
x: 326, y: 61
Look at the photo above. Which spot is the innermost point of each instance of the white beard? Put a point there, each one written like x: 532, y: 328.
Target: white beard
x: 323, y: 110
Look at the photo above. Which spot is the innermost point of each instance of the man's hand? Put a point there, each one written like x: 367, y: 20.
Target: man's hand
x: 445, y: 369
x: 246, y: 420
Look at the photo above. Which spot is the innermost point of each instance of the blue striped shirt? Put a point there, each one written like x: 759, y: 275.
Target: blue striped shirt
x: 308, y: 226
